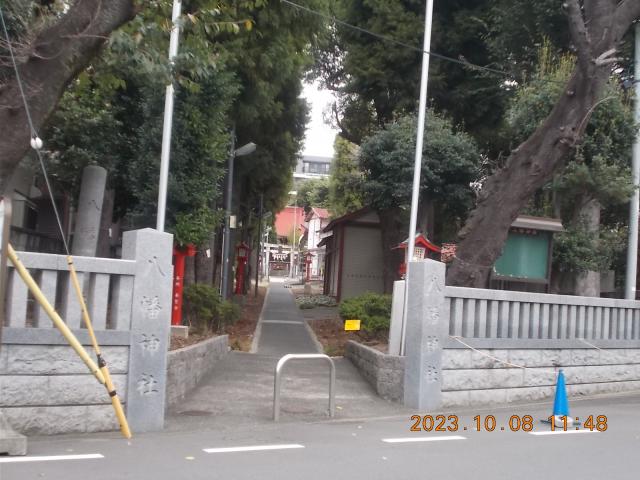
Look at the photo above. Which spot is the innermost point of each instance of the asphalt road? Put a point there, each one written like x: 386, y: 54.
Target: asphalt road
x: 354, y: 450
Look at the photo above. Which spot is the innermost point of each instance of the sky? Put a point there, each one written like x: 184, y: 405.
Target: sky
x: 320, y: 136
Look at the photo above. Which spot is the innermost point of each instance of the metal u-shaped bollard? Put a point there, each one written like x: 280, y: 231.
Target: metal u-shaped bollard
x: 303, y: 356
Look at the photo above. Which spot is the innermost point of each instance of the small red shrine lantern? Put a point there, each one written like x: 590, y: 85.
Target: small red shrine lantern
x: 423, y: 249
x: 179, y: 254
x: 242, y: 256
x: 308, y: 259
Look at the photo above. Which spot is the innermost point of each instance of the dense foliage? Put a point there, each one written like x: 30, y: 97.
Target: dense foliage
x: 239, y: 67
x: 377, y: 80
x: 314, y: 193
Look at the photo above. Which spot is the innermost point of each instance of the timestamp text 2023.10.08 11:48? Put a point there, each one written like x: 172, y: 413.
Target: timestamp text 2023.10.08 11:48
x: 514, y: 423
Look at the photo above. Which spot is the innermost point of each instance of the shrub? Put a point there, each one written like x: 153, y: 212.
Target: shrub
x: 228, y: 313
x: 372, y: 309
x: 206, y: 311
x: 201, y: 304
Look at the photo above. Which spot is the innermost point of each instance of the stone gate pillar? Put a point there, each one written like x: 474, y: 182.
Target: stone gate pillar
x: 150, y: 324
x: 426, y: 330
x: 87, y: 228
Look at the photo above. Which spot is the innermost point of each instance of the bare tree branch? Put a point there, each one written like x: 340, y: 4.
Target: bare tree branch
x: 606, y: 58
x: 583, y: 124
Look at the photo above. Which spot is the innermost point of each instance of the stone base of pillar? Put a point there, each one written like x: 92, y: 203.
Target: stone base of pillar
x: 11, y: 442
x: 180, y: 331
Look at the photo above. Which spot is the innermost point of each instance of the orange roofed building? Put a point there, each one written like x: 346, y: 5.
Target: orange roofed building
x: 288, y: 219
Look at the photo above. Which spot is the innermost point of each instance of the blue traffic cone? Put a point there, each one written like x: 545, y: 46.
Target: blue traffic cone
x: 561, y: 405
x: 560, y: 402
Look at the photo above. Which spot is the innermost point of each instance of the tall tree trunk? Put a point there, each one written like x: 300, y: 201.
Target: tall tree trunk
x: 587, y: 284
x: 189, y: 270
x: 53, y: 59
x: 204, y: 264
x: 217, y: 257
x: 597, y: 28
x: 392, y: 234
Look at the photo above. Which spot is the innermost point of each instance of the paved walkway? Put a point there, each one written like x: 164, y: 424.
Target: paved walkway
x: 282, y: 328
x: 240, y: 389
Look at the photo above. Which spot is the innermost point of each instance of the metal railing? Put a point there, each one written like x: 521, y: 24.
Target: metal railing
x: 303, y: 356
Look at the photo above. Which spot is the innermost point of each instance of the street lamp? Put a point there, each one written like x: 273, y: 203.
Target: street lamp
x: 294, y: 193
x: 245, y: 149
x: 226, y: 239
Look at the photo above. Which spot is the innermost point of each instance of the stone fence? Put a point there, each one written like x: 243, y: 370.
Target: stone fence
x: 44, y: 387
x: 384, y: 372
x: 514, y: 318
x: 468, y: 346
x: 187, y: 366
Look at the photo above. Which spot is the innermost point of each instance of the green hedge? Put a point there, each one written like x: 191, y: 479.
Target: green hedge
x: 372, y: 309
x: 206, y: 311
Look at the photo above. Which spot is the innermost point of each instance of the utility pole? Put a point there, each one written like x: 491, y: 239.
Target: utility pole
x: 168, y: 120
x: 259, y: 249
x: 632, y: 248
x: 294, y: 193
x: 415, y: 194
x: 267, y: 253
x: 226, y: 239
x: 293, y: 247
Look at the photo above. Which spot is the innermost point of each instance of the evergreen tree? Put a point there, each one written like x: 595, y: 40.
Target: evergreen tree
x: 345, y: 183
x: 451, y: 162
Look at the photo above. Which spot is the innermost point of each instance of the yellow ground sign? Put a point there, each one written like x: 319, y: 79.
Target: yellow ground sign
x: 351, y: 325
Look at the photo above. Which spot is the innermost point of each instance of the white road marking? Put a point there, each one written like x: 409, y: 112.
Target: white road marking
x: 254, y: 448
x: 562, y: 432
x: 423, y: 439
x: 49, y: 458
x: 283, y: 321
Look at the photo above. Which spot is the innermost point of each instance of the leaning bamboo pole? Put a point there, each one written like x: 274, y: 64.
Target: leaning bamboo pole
x: 55, y: 317
x: 115, y: 400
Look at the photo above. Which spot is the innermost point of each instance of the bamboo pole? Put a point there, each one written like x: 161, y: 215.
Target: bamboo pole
x: 115, y: 400
x: 55, y: 317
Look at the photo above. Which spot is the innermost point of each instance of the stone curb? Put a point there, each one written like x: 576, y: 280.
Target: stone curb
x: 258, y: 331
